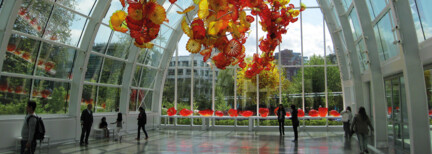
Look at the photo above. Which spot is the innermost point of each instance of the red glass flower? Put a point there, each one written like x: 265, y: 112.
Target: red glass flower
x: 104, y: 105
x: 26, y: 56
x: 233, y: 112
x: 19, y: 89
x: 313, y: 113
x: 300, y: 113
x: 185, y: 112
x: 219, y: 113
x: 171, y: 111
x: 389, y: 110
x: 246, y: 113
x: 172, y: 1
x: 263, y: 112
x: 206, y: 113
x: 322, y: 111
x: 288, y: 114
x: 49, y: 65
x: 11, y: 47
x: 334, y: 113
x: 45, y: 93
x: 430, y: 112
x: 3, y: 87
x: 10, y: 89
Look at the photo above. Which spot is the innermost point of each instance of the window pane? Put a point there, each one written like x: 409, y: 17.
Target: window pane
x: 426, y: 16
x: 119, y: 45
x: 154, y: 56
x: 21, y: 55
x: 292, y: 87
x: 335, y: 101
x: 51, y: 97
x: 137, y: 75
x: 33, y: 16
x: 173, y: 17
x: 168, y: 94
x: 55, y: 61
x: 224, y: 90
x: 203, y: 88
x: 183, y: 92
x: 387, y: 37
x: 417, y: 23
x: 347, y: 4
x: 148, y: 77
x: 355, y: 24
x: 88, y: 96
x: 331, y: 58
x: 135, y: 99
x: 108, y: 99
x: 65, y: 27
x: 101, y: 40
x: 333, y: 79
x: 290, y: 48
x: 148, y: 97
x: 246, y: 94
x: 164, y: 36
x: 14, y: 94
x: 375, y: 7
x: 314, y: 80
x: 93, y: 68
x: 112, y: 71
x: 82, y: 6
x: 363, y: 58
x: 313, y: 36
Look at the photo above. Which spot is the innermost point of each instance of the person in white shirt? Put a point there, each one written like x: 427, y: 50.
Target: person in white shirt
x: 346, y: 119
x: 119, y: 123
x: 28, y: 143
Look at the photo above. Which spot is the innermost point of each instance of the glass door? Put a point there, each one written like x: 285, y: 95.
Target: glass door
x: 397, y: 112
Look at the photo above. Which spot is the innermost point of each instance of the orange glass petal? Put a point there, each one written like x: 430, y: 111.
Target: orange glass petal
x: 206, y: 113
x: 313, y: 113
x: 300, y: 113
x: 322, y: 111
x: 219, y: 113
x: 246, y: 113
x: 185, y: 112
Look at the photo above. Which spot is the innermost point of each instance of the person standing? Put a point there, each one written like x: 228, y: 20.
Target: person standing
x: 86, y: 124
x: 346, y: 119
x: 281, y: 119
x: 28, y: 142
x: 360, y: 126
x: 295, y: 122
x: 119, y: 122
x: 142, y: 120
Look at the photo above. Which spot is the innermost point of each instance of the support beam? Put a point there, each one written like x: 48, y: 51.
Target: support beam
x: 377, y: 80
x: 415, y: 86
x: 356, y: 89
x: 82, y: 58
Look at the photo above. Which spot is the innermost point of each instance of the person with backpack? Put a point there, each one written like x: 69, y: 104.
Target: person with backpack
x: 281, y: 119
x: 142, y: 120
x: 86, y: 123
x: 346, y: 119
x: 360, y: 126
x: 28, y: 141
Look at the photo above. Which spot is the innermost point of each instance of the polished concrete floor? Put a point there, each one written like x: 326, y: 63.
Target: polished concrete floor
x: 189, y: 141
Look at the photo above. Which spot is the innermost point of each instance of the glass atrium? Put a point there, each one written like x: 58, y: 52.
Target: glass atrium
x: 63, y: 54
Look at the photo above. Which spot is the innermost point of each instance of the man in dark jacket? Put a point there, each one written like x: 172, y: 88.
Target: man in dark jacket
x: 142, y: 120
x: 295, y: 122
x: 86, y: 123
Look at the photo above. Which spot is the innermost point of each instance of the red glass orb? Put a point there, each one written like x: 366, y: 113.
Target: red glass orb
x: 233, y: 112
x: 334, y: 113
x: 185, y: 112
x: 171, y: 111
x: 300, y: 113
x: 246, y: 113
x: 322, y: 111
x: 288, y: 114
x: 430, y: 112
x: 206, y: 113
x: 3, y: 87
x: 264, y: 112
x: 219, y: 113
x: 313, y: 113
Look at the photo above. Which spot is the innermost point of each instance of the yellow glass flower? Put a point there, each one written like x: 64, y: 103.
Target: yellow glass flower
x: 117, y: 21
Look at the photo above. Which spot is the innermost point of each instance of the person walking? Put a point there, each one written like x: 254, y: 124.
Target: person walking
x: 119, y: 125
x: 346, y: 119
x: 360, y: 127
x: 281, y: 119
x: 142, y: 120
x: 86, y: 124
x: 28, y: 142
x: 295, y: 122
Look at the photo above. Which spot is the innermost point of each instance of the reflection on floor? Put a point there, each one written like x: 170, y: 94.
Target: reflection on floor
x: 187, y: 141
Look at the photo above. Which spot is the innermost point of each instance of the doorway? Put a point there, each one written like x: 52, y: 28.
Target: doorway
x: 397, y: 116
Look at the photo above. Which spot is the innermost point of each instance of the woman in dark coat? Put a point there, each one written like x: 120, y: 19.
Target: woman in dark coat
x: 142, y: 120
x: 281, y: 119
x: 295, y: 122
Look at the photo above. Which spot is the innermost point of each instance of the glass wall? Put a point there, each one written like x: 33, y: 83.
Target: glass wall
x: 422, y: 18
x: 306, y: 74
